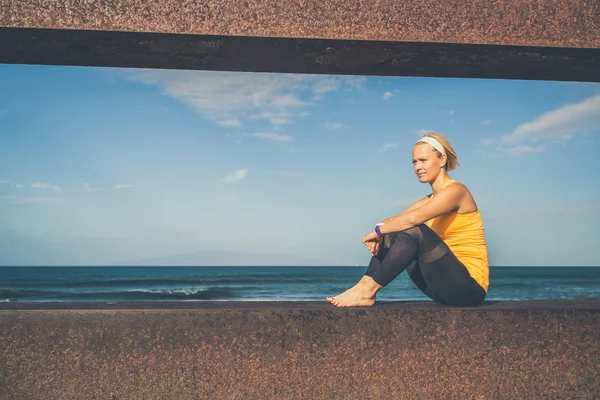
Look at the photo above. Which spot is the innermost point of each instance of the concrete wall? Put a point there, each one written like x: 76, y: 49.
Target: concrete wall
x: 511, y: 39
x: 509, y: 22
x: 506, y: 350
x: 305, y: 350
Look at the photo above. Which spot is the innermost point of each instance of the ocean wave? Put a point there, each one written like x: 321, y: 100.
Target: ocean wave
x: 128, y: 295
x: 103, y: 282
x: 187, y: 292
x: 262, y: 284
x: 20, y: 293
x: 168, y: 294
x: 238, y: 280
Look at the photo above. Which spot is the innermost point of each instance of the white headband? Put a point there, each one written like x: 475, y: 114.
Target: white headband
x: 434, y: 143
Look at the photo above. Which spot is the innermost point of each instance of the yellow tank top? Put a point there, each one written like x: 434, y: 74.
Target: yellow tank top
x: 464, y: 235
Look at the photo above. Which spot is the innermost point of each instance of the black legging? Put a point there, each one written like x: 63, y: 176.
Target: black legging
x: 429, y: 263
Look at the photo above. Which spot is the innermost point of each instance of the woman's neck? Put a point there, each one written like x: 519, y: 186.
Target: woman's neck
x: 439, y: 182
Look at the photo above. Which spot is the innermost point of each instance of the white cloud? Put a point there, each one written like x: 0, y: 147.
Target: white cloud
x: 559, y: 124
x: 353, y: 82
x: 269, y: 136
x: 4, y: 182
x: 236, y: 123
x: 88, y: 188
x: 267, y: 115
x: 422, y: 131
x: 230, y: 96
x: 387, y: 146
x: 27, y: 200
x: 334, y: 125
x: 305, y: 114
x: 326, y: 85
x: 287, y: 100
x: 487, y: 122
x: 280, y: 121
x: 519, y: 150
x: 487, y: 142
x: 387, y: 95
x: 236, y: 176
x: 122, y: 186
x: 451, y: 112
x: 57, y: 188
x: 40, y: 185
x: 276, y: 119
x: 18, y: 185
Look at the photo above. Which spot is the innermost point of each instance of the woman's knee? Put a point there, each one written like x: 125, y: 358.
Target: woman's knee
x: 394, y: 237
x: 415, y: 230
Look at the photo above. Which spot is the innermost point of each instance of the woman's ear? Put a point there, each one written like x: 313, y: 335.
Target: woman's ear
x: 443, y: 161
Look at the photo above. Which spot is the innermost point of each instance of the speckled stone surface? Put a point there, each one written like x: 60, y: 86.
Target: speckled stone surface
x: 511, y: 22
x: 506, y: 350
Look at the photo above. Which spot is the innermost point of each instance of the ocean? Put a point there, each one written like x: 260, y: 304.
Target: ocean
x: 110, y: 284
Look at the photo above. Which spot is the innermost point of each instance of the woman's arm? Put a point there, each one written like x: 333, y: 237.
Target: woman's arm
x: 414, y: 206
x: 374, y: 244
x: 445, y: 201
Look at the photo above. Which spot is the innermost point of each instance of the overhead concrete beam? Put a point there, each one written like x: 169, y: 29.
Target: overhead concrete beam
x: 554, y: 23
x: 512, y: 39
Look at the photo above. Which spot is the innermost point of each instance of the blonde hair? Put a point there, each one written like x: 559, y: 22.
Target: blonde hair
x: 451, y: 157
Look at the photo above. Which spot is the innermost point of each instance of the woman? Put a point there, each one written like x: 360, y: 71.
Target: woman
x: 439, y: 240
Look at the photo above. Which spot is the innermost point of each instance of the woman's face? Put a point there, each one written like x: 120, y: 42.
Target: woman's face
x: 426, y: 163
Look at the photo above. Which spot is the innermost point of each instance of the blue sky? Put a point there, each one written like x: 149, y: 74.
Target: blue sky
x: 102, y: 166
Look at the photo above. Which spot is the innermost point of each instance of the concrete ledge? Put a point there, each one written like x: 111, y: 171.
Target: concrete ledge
x: 510, y: 39
x: 300, y: 350
x: 222, y: 53
x: 554, y: 23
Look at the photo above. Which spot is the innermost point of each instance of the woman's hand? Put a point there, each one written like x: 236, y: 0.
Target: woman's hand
x: 374, y: 247
x: 373, y: 244
x: 370, y: 237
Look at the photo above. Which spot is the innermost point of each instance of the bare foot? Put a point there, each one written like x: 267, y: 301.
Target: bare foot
x: 352, y: 298
x: 361, y: 294
x: 332, y: 300
x: 359, y: 284
x: 352, y: 289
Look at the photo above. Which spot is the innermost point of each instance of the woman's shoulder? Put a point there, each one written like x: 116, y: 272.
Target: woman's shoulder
x: 459, y: 188
x: 457, y: 185
x: 467, y: 201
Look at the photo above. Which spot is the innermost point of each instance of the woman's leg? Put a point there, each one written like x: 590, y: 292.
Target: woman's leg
x: 415, y: 274
x: 391, y: 259
x: 439, y: 274
x: 399, y: 250
x: 429, y: 262
x: 412, y: 269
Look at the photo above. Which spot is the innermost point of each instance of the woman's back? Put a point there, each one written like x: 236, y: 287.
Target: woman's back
x: 464, y: 235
